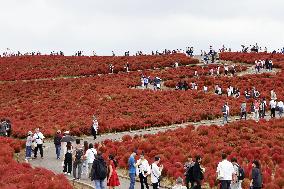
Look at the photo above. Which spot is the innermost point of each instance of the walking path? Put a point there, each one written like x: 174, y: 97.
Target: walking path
x: 50, y: 162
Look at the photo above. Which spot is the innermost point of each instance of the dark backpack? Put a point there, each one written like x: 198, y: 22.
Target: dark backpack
x: 101, y: 169
x: 241, y: 175
x: 78, y: 154
x: 189, y: 173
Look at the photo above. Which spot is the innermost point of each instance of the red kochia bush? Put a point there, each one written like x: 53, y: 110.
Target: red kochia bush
x: 210, y: 142
x: 22, y: 175
x: 34, y: 67
x: 69, y: 105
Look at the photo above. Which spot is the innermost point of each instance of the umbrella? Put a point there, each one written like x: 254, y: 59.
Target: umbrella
x: 68, y: 138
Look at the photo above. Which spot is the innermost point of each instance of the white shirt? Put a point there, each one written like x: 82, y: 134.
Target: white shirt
x: 225, y: 169
x: 227, y: 109
x: 90, y: 155
x: 155, y: 173
x: 143, y: 167
x: 179, y: 187
x: 38, y: 137
x: 95, y: 125
x: 29, y: 141
x: 280, y: 104
x: 272, y: 104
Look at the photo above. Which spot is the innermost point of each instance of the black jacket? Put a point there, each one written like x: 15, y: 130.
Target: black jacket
x: 57, y: 139
x: 197, y: 173
x: 98, y: 160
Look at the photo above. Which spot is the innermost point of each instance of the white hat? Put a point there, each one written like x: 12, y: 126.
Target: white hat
x: 66, y: 132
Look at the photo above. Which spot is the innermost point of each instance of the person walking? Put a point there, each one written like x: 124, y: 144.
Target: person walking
x: 143, y: 170
x: 99, y: 172
x: 95, y: 127
x: 85, y: 170
x: 112, y: 178
x: 146, y: 82
x: 67, y: 161
x: 8, y: 127
x: 57, y: 143
x: 256, y: 110
x: 225, y: 171
x: 3, y: 131
x: 236, y: 182
x: 244, y: 110
x: 280, y: 106
x: 256, y: 182
x: 188, y: 167
x: 272, y: 104
x: 78, y: 160
x: 29, y: 142
x: 225, y: 111
x: 38, y: 138
x: 90, y: 157
x: 262, y: 108
x: 252, y: 111
x: 198, y: 172
x: 132, y: 169
x: 156, y: 172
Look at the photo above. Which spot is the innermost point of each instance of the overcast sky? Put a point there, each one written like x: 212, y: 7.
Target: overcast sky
x: 120, y: 25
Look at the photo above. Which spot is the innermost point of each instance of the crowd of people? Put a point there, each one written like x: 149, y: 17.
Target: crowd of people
x: 147, y: 80
x: 85, y: 160
x: 255, y: 48
x: 228, y: 173
x: 210, y: 55
x: 257, y: 107
x: 263, y: 65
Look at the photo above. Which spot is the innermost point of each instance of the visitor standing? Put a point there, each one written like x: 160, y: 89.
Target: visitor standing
x: 78, y: 160
x: 90, y: 156
x: 95, y: 127
x: 188, y: 167
x: 244, y: 110
x: 57, y: 143
x: 272, y: 104
x: 3, y: 131
x: 225, y: 171
x: 256, y: 109
x: 198, y: 172
x: 99, y: 172
x: 256, y: 182
x: 273, y: 95
x: 85, y: 170
x: 280, y: 106
x: 38, y: 138
x: 132, y: 169
x: 146, y: 82
x: 262, y: 108
x: 225, y: 111
x: 29, y: 142
x: 156, y: 172
x: 112, y: 178
x: 236, y: 179
x: 67, y: 161
x: 8, y: 126
x: 143, y: 170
